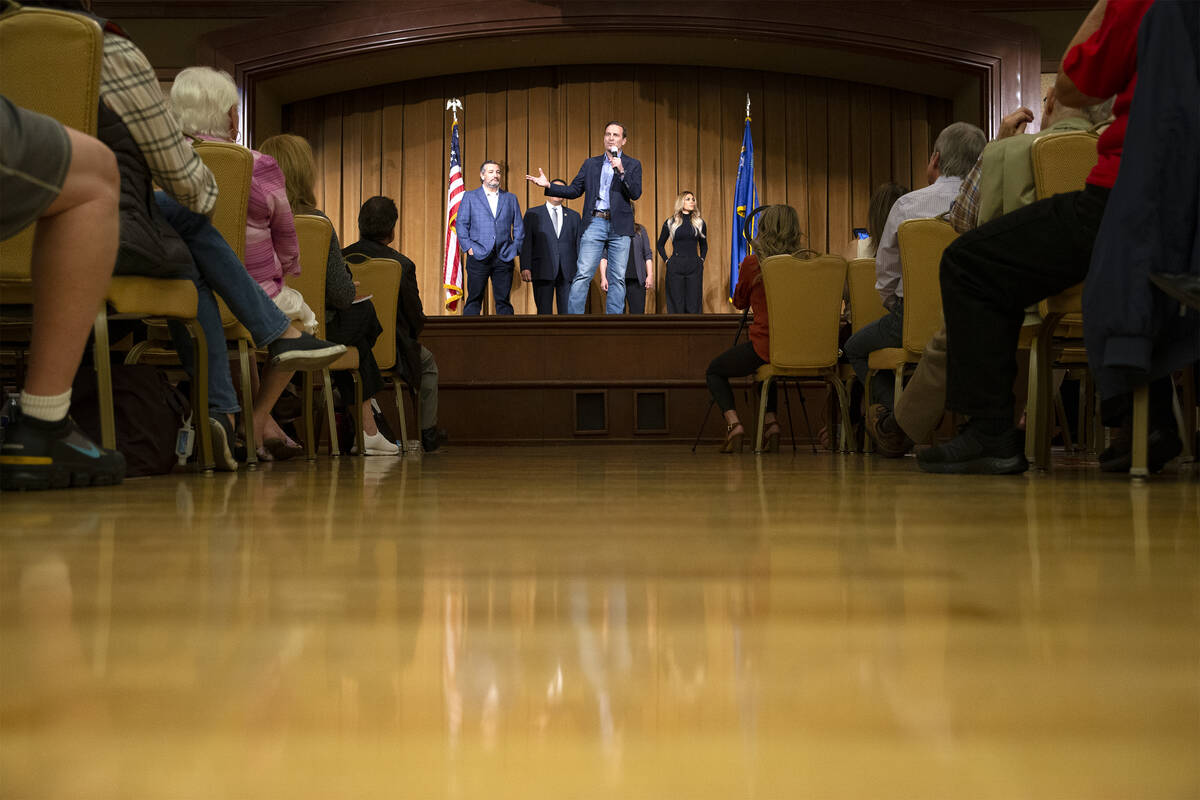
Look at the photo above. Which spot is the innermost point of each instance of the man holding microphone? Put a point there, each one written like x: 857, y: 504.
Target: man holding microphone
x: 609, y: 183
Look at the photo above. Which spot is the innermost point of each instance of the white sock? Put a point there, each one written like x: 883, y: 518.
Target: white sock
x: 48, y: 408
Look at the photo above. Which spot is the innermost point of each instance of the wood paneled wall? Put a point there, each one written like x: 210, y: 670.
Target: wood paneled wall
x: 820, y: 145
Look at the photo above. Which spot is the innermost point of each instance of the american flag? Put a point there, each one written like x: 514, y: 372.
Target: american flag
x: 452, y: 267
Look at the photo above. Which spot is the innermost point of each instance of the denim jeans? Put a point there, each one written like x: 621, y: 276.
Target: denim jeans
x: 592, y: 244
x: 887, y: 331
x: 220, y: 270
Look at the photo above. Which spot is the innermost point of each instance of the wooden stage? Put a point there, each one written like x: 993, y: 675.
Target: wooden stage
x: 602, y: 622
x: 557, y: 379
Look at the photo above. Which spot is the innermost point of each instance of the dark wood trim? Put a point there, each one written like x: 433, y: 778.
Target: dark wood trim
x: 1005, y: 56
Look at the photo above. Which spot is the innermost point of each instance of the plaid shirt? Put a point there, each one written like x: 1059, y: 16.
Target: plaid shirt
x: 964, y: 211
x: 130, y: 88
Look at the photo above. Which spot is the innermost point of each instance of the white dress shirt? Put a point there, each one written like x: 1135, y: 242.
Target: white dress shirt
x: 928, y: 202
x: 493, y: 199
x: 555, y: 212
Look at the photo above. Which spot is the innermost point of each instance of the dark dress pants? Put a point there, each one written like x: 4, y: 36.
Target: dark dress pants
x: 992, y: 274
x: 635, y: 295
x: 737, y: 361
x: 887, y: 331
x: 545, y: 293
x: 478, y: 272
x: 357, y: 327
x: 685, y: 285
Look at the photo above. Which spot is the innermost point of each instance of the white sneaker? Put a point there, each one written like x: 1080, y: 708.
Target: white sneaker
x: 378, y: 445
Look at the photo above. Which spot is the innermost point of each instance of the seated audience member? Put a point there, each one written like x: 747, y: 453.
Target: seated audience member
x: 376, y: 230
x: 954, y: 152
x: 778, y: 234
x: 1134, y: 335
x: 992, y: 274
x: 1000, y: 182
x: 639, y: 272
x: 207, y: 104
x: 882, y: 200
x: 150, y: 148
x: 68, y: 183
x: 347, y: 322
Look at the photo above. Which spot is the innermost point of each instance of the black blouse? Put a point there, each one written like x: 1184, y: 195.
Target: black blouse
x: 686, y: 243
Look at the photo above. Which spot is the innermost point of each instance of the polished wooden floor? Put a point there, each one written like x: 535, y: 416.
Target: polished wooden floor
x: 603, y: 622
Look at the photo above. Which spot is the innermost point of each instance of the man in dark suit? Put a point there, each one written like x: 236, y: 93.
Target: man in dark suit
x: 550, y: 250
x: 609, y: 183
x: 490, y: 231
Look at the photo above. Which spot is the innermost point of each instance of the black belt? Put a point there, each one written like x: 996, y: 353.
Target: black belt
x: 604, y: 214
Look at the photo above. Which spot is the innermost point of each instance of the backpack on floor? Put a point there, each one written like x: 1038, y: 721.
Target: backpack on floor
x: 148, y: 411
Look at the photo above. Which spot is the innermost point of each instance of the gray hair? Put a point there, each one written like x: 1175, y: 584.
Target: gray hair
x: 202, y: 97
x: 959, y: 145
x: 1099, y: 112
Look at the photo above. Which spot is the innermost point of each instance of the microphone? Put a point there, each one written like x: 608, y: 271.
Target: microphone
x: 613, y: 153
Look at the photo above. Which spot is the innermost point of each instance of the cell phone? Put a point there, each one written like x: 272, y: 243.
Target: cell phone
x: 861, y: 233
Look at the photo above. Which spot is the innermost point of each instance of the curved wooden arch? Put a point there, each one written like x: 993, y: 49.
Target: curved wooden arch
x: 891, y: 37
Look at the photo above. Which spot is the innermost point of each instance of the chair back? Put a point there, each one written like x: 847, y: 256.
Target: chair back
x: 1062, y: 161
x: 922, y: 242
x: 314, y: 234
x: 804, y: 300
x: 49, y: 63
x: 380, y: 277
x: 233, y: 166
x: 865, y: 303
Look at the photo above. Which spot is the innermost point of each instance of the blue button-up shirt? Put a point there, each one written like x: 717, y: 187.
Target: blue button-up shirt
x: 606, y: 179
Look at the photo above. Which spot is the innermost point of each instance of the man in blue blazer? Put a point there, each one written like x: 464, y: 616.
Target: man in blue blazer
x: 551, y: 248
x: 490, y: 232
x: 609, y: 183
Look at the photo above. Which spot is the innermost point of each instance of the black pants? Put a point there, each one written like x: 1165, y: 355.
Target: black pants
x: 685, y: 286
x: 635, y: 295
x: 478, y: 272
x: 991, y: 274
x: 357, y: 327
x: 735, y: 362
x: 546, y: 292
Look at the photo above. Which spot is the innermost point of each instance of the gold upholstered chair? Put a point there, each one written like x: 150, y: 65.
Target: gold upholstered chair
x: 1061, y: 163
x: 865, y: 307
x: 233, y: 167
x: 922, y: 242
x: 380, y: 278
x: 50, y: 63
x: 314, y: 233
x: 804, y: 301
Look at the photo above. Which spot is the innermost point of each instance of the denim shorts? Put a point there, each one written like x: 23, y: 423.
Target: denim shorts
x: 35, y: 154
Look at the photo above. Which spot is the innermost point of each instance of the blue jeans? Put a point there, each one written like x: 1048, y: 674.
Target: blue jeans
x: 887, y: 331
x: 220, y: 270
x: 596, y: 238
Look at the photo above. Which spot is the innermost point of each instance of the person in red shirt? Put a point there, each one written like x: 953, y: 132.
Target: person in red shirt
x: 778, y: 234
x: 990, y: 275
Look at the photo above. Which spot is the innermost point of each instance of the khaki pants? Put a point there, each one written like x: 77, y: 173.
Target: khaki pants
x: 924, y: 398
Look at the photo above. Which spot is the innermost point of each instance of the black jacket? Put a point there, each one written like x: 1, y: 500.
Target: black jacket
x: 149, y: 246
x: 1134, y: 332
x: 542, y: 253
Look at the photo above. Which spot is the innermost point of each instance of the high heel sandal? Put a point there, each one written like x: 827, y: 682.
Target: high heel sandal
x: 733, y: 441
x: 770, y: 443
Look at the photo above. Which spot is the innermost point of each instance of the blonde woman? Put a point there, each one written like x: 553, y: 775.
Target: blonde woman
x: 687, y: 234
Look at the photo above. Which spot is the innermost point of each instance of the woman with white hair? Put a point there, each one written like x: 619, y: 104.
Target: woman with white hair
x: 206, y: 102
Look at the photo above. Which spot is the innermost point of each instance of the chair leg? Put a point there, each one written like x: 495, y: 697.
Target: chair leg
x: 200, y: 395
x: 843, y: 396
x: 108, y: 423
x: 245, y: 362
x: 1188, y: 413
x: 398, y: 391
x: 310, y: 446
x: 868, y: 446
x: 1060, y: 412
x: 787, y: 401
x: 899, y: 373
x: 1139, y: 467
x: 359, y: 435
x: 330, y: 416
x: 762, y: 412
x: 1181, y: 424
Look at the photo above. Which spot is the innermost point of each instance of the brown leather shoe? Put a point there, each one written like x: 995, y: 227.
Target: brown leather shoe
x: 887, y: 444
